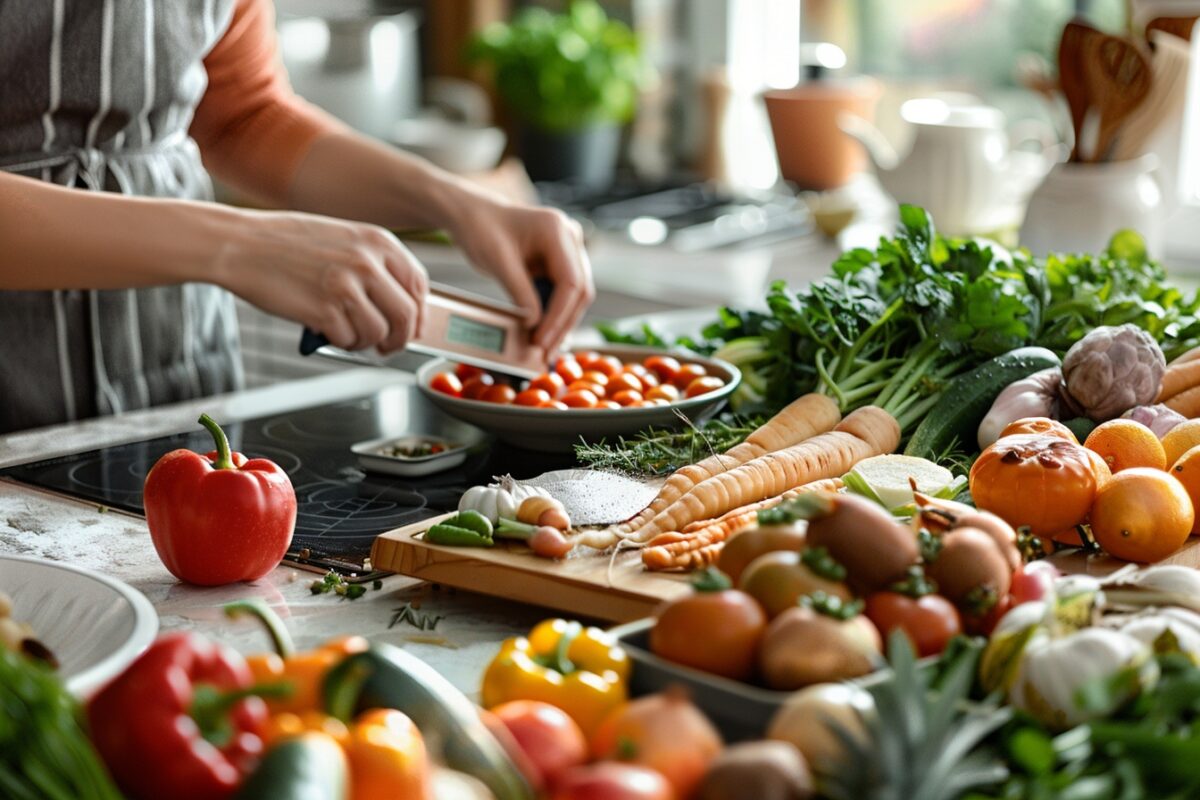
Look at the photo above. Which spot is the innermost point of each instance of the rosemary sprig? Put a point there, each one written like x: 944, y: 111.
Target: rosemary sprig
x: 660, y: 452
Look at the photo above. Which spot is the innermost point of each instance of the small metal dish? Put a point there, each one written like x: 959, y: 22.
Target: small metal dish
x: 373, y: 455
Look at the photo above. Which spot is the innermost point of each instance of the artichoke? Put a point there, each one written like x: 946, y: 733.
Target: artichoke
x: 1112, y: 370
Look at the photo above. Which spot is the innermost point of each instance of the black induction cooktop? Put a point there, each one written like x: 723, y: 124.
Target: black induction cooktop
x: 341, y: 508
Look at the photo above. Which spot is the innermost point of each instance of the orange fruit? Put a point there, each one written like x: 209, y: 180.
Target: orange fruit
x: 1180, y: 439
x: 1123, y: 444
x: 1186, y: 470
x: 1142, y: 515
x: 1042, y: 425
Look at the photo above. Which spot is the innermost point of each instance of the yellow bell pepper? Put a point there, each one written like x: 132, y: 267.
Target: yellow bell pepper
x: 579, y: 669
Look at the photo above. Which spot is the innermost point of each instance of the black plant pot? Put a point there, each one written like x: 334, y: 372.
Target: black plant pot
x: 586, y: 157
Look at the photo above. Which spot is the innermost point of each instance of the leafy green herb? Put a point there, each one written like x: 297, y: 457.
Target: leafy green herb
x: 892, y: 326
x: 661, y: 452
x: 43, y: 750
x: 409, y: 615
x: 333, y: 582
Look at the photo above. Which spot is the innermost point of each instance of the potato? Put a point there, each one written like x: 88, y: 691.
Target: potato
x: 802, y: 647
x: 874, y: 548
x: 753, y: 542
x: 761, y: 770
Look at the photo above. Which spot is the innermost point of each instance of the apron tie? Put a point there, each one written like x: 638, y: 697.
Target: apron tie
x: 90, y: 165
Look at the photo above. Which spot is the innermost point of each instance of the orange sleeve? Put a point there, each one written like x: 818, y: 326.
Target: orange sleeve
x: 250, y: 125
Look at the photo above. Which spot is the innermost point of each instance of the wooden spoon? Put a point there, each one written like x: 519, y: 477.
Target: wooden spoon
x: 1118, y: 78
x: 1164, y: 105
x: 1071, y: 77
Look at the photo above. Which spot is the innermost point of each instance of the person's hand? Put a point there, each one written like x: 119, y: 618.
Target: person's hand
x: 353, y: 282
x: 517, y: 243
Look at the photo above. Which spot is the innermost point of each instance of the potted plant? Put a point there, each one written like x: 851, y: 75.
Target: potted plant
x: 572, y: 81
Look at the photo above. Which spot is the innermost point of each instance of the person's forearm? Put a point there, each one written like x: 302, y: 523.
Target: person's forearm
x: 351, y: 176
x: 57, y: 238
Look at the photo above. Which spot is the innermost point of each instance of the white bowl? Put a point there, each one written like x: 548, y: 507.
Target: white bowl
x: 551, y: 430
x: 453, y: 146
x: 95, y: 625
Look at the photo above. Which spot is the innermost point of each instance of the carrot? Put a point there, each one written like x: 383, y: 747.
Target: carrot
x: 866, y: 432
x: 1179, y: 377
x: 1186, y: 402
x: 1190, y: 355
x: 699, y: 541
x: 801, y: 419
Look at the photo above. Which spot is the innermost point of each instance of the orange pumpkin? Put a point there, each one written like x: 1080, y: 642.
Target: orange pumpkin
x: 1043, y: 426
x: 1044, y: 483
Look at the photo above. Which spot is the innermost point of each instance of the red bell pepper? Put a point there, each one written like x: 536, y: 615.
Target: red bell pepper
x: 219, y: 518
x: 181, y: 722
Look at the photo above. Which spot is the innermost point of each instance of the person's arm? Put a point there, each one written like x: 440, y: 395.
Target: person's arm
x: 352, y: 281
x: 257, y: 136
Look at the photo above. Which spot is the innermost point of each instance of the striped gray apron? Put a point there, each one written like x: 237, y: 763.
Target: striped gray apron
x: 98, y: 95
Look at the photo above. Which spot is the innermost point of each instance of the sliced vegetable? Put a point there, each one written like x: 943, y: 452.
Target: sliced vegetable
x: 890, y: 480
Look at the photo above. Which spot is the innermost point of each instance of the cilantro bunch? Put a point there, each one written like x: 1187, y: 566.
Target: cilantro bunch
x: 894, y: 325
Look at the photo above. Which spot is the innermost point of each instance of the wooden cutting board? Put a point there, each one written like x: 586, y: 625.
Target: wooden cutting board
x: 585, y: 586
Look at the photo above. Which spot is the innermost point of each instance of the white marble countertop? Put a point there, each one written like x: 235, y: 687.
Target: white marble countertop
x: 38, y: 523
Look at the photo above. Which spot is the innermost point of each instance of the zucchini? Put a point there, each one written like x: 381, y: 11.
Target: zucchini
x: 310, y: 766
x: 387, y: 677
x: 968, y: 398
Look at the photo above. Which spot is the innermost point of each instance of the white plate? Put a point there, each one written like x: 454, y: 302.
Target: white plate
x: 95, y: 625
x: 372, y: 459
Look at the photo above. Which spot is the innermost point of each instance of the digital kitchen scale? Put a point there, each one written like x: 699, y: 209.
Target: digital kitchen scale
x: 462, y: 327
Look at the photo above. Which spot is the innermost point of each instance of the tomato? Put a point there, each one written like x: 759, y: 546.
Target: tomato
x: 1045, y: 482
x: 549, y: 382
x: 659, y: 401
x: 684, y: 376
x: 473, y: 388
x: 587, y: 359
x: 703, y: 386
x: 985, y: 624
x: 568, y: 369
x: 628, y: 397
x: 665, y: 392
x: 715, y: 631
x: 580, y: 399
x: 447, y: 383
x: 557, y: 405
x: 466, y: 371
x: 664, y: 367
x: 611, y: 780
x: 501, y: 393
x: 1032, y: 582
x: 1039, y: 425
x: 609, y: 365
x: 582, y: 385
x: 649, y: 379
x: 532, y: 397
x: 609, y: 404
x: 635, y: 368
x: 624, y: 380
x: 930, y: 621
x: 594, y: 376
x: 551, y: 739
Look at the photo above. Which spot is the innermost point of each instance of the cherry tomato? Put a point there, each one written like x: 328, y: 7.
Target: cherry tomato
x: 929, y: 621
x: 447, y: 383
x: 532, y: 397
x: 609, y: 365
x: 610, y: 404
x: 715, y: 631
x: 473, y: 388
x: 568, y: 368
x: 594, y: 376
x: 581, y: 398
x: 983, y: 625
x: 627, y: 397
x: 501, y: 393
x: 587, y: 359
x: 664, y: 367
x: 686, y: 374
x: 658, y: 401
x: 549, y: 382
x: 649, y: 380
x: 1032, y: 582
x: 466, y: 371
x: 624, y: 380
x: 558, y: 405
x: 703, y: 386
x: 636, y: 369
x: 581, y: 385
x: 665, y: 392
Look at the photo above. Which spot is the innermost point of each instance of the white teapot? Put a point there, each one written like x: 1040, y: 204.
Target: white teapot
x: 960, y: 167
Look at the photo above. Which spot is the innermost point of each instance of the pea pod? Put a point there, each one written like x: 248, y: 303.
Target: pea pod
x: 453, y: 536
x: 472, y: 521
x: 310, y: 766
